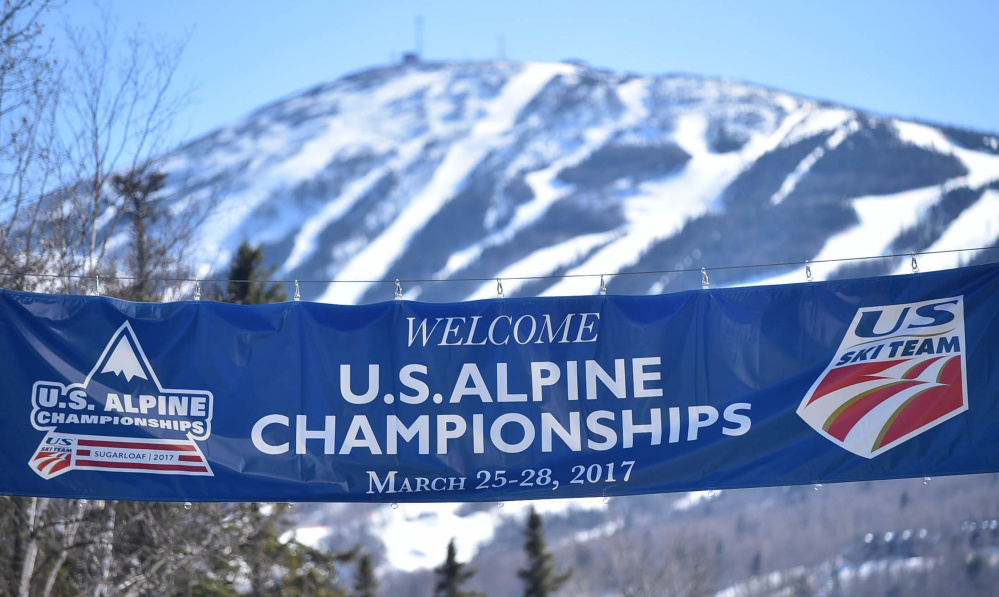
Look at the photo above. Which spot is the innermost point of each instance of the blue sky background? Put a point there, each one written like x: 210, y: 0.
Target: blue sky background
x: 934, y: 61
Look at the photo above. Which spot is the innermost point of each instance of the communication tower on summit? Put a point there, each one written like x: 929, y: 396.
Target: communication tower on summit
x: 414, y: 56
x: 419, y: 36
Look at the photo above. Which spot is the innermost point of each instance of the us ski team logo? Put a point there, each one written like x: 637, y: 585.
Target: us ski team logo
x: 899, y: 371
x: 120, y: 419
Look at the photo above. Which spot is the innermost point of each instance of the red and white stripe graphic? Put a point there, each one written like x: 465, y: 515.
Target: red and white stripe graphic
x: 48, y: 463
x: 61, y: 452
x: 899, y: 371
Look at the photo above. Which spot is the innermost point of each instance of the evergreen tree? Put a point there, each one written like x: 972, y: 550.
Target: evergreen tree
x: 539, y: 577
x: 143, y: 209
x: 286, y: 568
x: 365, y: 583
x: 451, y: 575
x: 248, y: 284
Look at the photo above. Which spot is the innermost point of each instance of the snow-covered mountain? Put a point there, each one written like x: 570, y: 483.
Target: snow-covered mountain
x: 454, y: 171
x: 460, y: 170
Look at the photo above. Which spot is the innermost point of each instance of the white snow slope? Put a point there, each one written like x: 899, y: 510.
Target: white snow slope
x: 460, y: 170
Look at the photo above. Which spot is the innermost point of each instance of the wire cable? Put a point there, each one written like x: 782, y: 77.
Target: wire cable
x: 807, y: 262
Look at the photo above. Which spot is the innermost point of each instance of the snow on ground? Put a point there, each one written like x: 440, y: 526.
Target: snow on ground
x: 634, y: 95
x: 416, y: 535
x: 544, y: 261
x: 660, y: 208
x: 374, y: 259
x: 819, y: 121
x: 983, y: 168
x: 310, y: 535
x: 306, y: 239
x: 780, y: 582
x: 977, y: 226
x: 693, y: 498
x: 546, y: 190
x: 278, y: 157
x: 840, y: 135
x: 881, y: 217
x: 273, y: 155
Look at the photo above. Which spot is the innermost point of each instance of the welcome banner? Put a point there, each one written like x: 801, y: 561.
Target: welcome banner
x: 501, y: 399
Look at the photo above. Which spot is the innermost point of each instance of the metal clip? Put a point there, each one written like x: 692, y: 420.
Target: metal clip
x: 915, y: 266
x: 197, y: 290
x: 603, y: 287
x: 499, y: 287
x: 398, y: 289
x: 298, y: 292
x: 704, y: 279
x: 808, y: 271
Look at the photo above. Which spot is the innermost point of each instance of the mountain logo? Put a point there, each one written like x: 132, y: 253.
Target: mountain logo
x: 120, y: 418
x: 124, y: 362
x: 898, y: 372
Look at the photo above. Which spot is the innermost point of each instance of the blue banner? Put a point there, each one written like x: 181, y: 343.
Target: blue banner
x: 501, y: 399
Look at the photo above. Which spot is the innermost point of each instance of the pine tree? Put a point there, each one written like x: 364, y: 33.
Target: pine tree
x: 451, y: 575
x: 285, y: 567
x: 141, y: 206
x: 365, y: 583
x: 539, y: 577
x: 248, y: 284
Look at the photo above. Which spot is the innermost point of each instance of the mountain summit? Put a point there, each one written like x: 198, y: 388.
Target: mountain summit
x: 490, y: 170
x: 124, y: 362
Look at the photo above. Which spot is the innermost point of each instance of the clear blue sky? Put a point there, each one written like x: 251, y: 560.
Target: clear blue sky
x: 930, y: 60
